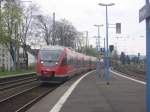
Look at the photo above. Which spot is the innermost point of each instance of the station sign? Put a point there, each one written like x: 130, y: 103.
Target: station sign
x: 144, y: 12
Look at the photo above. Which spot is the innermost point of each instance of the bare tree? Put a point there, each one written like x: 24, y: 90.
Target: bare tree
x: 65, y: 33
x: 79, y: 41
x: 44, y: 23
x: 26, y: 29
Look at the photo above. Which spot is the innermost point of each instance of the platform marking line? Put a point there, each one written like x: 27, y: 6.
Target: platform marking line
x: 57, y: 107
x: 118, y: 74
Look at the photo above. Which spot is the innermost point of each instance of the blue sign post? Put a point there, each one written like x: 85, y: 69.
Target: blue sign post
x: 148, y: 62
x: 144, y: 13
x: 97, y: 61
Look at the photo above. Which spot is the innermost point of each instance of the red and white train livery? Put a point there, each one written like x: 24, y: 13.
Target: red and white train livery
x: 56, y: 63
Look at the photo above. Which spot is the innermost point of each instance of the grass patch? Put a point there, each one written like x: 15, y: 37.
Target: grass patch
x: 12, y: 73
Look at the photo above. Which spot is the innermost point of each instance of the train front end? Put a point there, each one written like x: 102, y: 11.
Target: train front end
x: 48, y: 64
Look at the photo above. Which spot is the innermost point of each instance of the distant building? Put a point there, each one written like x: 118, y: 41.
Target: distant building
x: 6, y: 62
x: 5, y: 59
x: 31, y: 59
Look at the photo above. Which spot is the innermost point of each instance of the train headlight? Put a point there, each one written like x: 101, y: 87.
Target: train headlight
x: 42, y: 62
x: 56, y: 63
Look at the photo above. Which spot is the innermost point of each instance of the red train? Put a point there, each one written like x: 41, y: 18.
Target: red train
x: 56, y: 64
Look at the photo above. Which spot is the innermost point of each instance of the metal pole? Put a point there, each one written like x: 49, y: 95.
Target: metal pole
x: 98, y: 45
x: 98, y: 50
x: 107, y: 50
x: 53, y: 31
x: 86, y: 41
x: 98, y: 33
x: 98, y: 36
x: 97, y: 61
x: 104, y: 58
x: 97, y: 68
x: 147, y: 1
x: 148, y: 61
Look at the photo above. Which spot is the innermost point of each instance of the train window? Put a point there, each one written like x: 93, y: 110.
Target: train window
x: 64, y: 61
x: 74, y: 62
x: 82, y: 62
x: 90, y: 62
x: 49, y: 55
x: 71, y: 60
x: 68, y: 59
x: 78, y: 62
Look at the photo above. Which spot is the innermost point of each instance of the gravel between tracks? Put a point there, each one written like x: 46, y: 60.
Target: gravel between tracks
x: 6, y: 93
x: 16, y: 102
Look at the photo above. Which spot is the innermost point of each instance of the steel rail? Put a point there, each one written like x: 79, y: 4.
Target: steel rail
x: 29, y: 104
x: 17, y: 84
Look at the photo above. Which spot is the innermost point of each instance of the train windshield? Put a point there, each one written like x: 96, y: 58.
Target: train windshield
x: 50, y: 55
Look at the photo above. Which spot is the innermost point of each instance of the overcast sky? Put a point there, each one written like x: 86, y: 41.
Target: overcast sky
x: 85, y: 13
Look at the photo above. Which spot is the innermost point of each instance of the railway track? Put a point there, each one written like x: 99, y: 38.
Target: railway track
x: 17, y: 82
x: 23, y: 100
x: 17, y: 77
x: 140, y: 75
x: 21, y: 97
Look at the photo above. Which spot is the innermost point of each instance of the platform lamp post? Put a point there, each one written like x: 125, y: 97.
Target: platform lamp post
x: 107, y: 50
x: 98, y: 50
x: 104, y: 56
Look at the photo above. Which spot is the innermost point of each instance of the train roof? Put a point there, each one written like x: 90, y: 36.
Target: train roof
x: 62, y: 48
x: 53, y: 48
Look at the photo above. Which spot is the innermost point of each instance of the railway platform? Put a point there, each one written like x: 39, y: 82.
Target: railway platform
x: 92, y: 94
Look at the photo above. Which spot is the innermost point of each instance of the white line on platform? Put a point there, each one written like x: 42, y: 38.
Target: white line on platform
x: 118, y: 74
x: 66, y: 95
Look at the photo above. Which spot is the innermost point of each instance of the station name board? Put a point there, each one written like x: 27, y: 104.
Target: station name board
x: 144, y: 12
